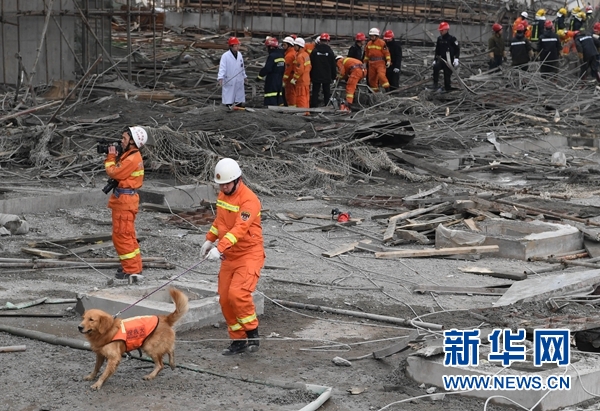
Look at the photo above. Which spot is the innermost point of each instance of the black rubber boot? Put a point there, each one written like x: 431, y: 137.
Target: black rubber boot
x: 253, y: 340
x: 236, y: 347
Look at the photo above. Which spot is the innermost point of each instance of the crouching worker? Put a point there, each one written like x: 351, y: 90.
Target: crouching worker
x: 125, y: 168
x: 352, y: 71
x: 237, y: 227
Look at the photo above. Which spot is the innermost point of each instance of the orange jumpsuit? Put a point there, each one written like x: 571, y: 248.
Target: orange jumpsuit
x: 290, y: 89
x: 309, y: 47
x: 376, y: 56
x: 518, y: 20
x: 353, y: 71
x: 237, y: 227
x: 302, y: 76
x: 128, y: 170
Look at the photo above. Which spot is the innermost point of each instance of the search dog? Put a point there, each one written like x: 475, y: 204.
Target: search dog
x: 111, y: 337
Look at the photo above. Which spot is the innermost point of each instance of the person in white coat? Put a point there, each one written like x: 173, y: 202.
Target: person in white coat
x: 232, y: 75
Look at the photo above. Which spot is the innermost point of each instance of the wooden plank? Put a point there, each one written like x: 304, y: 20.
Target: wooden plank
x: 469, y: 222
x: 518, y: 276
x: 81, y: 239
x: 398, y: 347
x: 410, y: 235
x: 42, y: 253
x: 390, y: 230
x: 90, y: 247
x: 438, y: 252
x: 492, y: 290
x: 424, y: 193
x: 419, y: 211
x: 340, y: 250
x: 428, y: 166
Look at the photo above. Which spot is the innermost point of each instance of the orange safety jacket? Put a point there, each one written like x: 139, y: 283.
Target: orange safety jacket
x: 129, y: 172
x: 237, y: 225
x: 134, y: 331
x: 309, y: 47
x: 290, y: 57
x: 377, y: 51
x: 302, y: 68
x: 348, y: 65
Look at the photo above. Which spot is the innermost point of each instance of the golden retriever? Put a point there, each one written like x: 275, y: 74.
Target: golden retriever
x: 100, y: 329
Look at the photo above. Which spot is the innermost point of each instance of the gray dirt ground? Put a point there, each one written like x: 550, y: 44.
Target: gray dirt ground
x: 49, y: 377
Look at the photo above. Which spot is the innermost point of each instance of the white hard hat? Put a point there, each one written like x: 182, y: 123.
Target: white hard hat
x: 524, y: 14
x: 139, y: 135
x: 289, y: 40
x: 339, y: 57
x: 299, y: 42
x: 227, y: 170
x: 374, y: 32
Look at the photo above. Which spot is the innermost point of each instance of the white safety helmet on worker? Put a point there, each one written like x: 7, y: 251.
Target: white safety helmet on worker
x: 227, y: 170
x: 299, y: 42
x: 289, y: 40
x: 374, y: 32
x: 139, y: 136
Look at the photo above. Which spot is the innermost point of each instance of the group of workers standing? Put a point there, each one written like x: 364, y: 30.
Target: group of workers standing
x: 547, y: 41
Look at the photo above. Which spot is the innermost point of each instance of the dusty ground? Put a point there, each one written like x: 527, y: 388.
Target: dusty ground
x: 296, y: 345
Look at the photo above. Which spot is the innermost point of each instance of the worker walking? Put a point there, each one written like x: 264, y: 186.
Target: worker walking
x: 301, y: 74
x: 290, y: 58
x: 496, y: 49
x: 237, y: 232
x: 232, y: 75
x: 520, y: 50
x: 272, y: 73
x: 352, y: 71
x: 447, y: 52
x: 377, y: 59
x: 322, y: 72
x: 550, y: 50
x: 357, y: 49
x: 393, y: 71
x: 587, y: 49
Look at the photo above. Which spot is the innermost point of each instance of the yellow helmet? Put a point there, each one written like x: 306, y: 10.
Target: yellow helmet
x: 562, y: 33
x: 581, y: 16
x: 540, y: 13
x: 575, y: 10
x: 562, y: 11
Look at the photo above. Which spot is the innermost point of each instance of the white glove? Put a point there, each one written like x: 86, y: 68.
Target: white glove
x: 206, y: 247
x: 455, y: 63
x: 388, y: 64
x: 293, y: 81
x: 396, y: 70
x: 433, y: 64
x: 214, y: 254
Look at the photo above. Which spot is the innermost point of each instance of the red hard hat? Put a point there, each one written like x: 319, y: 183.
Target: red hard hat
x: 325, y: 37
x: 520, y: 27
x: 548, y: 24
x: 233, y: 41
x: 597, y: 26
x: 388, y: 35
x: 271, y: 42
x: 293, y: 36
x: 444, y: 26
x: 497, y: 27
x: 360, y: 37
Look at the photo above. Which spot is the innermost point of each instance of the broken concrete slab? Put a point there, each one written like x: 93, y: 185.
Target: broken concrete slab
x: 431, y: 371
x: 204, y: 308
x: 185, y: 196
x: 44, y: 204
x: 524, y: 240
x: 541, y: 288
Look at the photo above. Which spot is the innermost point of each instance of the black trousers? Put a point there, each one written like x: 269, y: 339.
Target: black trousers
x: 439, y: 65
x: 393, y: 78
x: 314, y: 95
x: 495, y: 62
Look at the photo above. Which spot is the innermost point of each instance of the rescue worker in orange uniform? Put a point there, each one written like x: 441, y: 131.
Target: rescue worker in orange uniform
x: 377, y: 58
x: 309, y: 47
x: 127, y: 170
x: 522, y: 19
x: 352, y: 70
x: 301, y: 77
x: 289, y: 89
x: 237, y: 227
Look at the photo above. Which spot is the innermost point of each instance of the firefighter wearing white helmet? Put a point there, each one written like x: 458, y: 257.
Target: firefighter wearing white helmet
x: 377, y: 58
x: 126, y: 176
x: 235, y: 238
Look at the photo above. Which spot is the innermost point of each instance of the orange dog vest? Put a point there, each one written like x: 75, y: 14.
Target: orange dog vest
x: 134, y: 331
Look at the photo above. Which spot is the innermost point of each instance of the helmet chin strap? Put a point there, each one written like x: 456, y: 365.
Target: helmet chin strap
x: 235, y: 184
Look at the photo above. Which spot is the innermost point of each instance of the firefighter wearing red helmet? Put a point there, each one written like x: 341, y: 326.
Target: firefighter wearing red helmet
x: 521, y: 51
x: 393, y: 71
x: 447, y: 52
x: 550, y: 49
x: 272, y: 73
x: 496, y: 48
x: 356, y: 51
x: 232, y: 75
x: 322, y: 72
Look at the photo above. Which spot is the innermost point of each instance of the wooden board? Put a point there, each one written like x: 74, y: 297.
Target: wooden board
x: 494, y: 273
x: 438, y: 252
x: 495, y: 290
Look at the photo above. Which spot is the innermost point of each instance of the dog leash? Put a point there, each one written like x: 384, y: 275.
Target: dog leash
x: 162, y: 286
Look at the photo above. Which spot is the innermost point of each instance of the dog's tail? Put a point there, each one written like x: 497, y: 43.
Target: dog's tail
x: 181, y: 306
